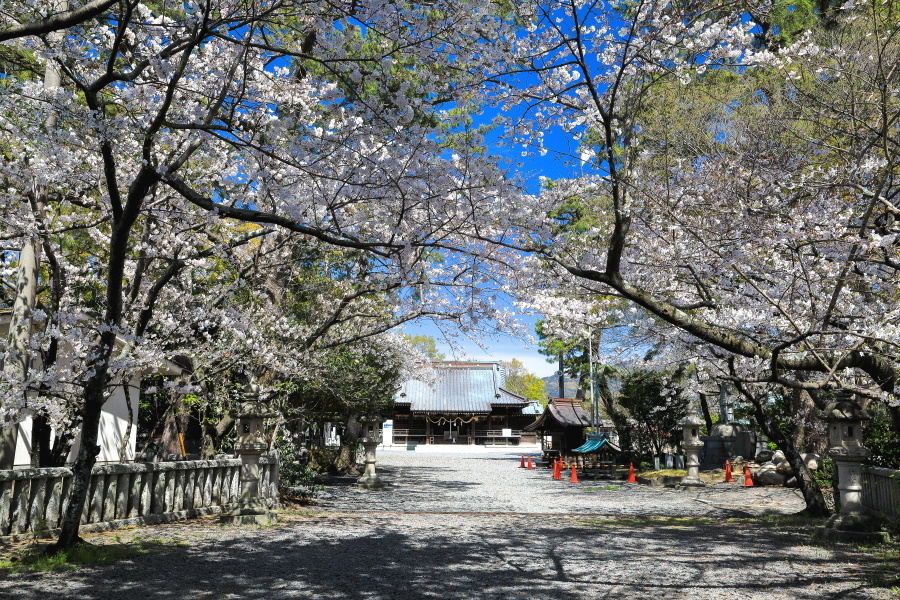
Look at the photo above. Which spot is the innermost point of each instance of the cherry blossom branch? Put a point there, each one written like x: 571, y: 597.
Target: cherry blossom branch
x: 58, y: 21
x: 255, y: 216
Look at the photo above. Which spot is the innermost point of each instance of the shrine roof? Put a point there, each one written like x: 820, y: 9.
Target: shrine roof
x: 458, y: 387
x: 562, y: 412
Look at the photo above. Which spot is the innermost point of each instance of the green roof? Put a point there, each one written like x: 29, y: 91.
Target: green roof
x: 594, y: 445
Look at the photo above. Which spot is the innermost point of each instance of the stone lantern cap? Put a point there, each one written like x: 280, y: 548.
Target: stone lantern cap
x: 691, y: 420
x: 250, y: 406
x: 844, y: 410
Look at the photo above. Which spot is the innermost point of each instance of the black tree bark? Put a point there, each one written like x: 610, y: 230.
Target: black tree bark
x: 809, y: 487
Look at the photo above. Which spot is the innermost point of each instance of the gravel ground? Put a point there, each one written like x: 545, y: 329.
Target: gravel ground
x: 493, y: 483
x: 477, y: 527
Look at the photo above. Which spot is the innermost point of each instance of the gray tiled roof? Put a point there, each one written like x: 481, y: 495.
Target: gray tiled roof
x: 458, y: 387
x: 563, y: 413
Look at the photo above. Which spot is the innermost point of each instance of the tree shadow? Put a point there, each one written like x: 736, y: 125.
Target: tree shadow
x: 485, y: 558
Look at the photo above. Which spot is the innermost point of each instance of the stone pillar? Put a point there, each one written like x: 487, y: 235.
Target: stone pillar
x: 692, y: 444
x: 371, y: 438
x: 251, y: 443
x: 853, y: 522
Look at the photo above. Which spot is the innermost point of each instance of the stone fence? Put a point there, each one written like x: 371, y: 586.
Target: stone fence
x: 34, y: 500
x: 881, y: 491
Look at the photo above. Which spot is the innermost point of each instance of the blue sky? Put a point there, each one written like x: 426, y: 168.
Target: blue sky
x: 561, y: 149
x: 501, y: 348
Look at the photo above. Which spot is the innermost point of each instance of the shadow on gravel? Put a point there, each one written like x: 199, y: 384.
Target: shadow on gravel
x: 421, y: 478
x: 490, y: 558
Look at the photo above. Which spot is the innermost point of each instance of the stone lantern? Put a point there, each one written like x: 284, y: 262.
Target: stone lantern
x: 690, y: 425
x: 845, y: 437
x: 251, y: 444
x: 371, y: 436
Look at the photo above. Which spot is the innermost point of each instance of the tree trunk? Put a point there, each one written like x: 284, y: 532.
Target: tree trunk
x: 97, y: 382
x: 345, y: 463
x: 173, y: 430
x: 123, y: 449
x: 212, y: 436
x: 84, y: 463
x: 809, y: 487
x: 655, y: 441
x: 704, y: 408
x: 62, y: 444
x: 40, y: 442
x: 812, y: 493
x: 17, y: 358
x: 808, y: 433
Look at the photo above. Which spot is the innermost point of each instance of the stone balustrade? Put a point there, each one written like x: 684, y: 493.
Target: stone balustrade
x: 34, y: 500
x: 881, y: 491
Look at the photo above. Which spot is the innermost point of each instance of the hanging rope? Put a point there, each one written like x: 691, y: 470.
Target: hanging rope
x: 442, y: 420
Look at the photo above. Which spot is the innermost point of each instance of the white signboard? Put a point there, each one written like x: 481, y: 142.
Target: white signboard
x: 387, y: 431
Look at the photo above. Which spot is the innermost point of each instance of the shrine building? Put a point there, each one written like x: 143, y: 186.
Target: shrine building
x: 461, y: 403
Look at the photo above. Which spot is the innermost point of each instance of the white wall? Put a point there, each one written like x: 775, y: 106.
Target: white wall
x: 113, y: 419
x: 113, y: 424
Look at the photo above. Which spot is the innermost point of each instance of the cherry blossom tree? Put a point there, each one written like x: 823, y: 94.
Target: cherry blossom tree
x: 191, y: 146
x: 741, y: 198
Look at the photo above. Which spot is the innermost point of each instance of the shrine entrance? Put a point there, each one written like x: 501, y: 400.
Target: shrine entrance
x: 452, y: 429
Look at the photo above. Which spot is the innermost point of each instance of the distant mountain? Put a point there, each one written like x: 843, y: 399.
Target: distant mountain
x: 551, y: 385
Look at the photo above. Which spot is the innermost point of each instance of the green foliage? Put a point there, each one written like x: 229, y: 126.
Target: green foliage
x: 427, y: 345
x: 880, y: 437
x: 790, y: 18
x: 573, y: 351
x: 350, y: 378
x: 825, y: 474
x: 521, y: 381
x: 296, y: 477
x: 654, y: 405
x: 576, y: 363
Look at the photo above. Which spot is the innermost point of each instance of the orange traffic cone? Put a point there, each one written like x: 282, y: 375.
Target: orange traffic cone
x: 631, y: 477
x: 530, y: 466
x: 728, y: 477
x: 556, y: 468
x: 574, y: 477
x: 748, y: 479
x: 522, y: 462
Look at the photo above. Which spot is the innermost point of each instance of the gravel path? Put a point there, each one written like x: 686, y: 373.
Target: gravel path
x: 476, y: 527
x: 493, y: 483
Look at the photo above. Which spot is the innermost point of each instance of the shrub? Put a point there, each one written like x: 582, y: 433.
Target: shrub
x: 297, y: 478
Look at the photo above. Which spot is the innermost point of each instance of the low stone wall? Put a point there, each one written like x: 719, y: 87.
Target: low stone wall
x: 881, y: 491
x: 34, y: 500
